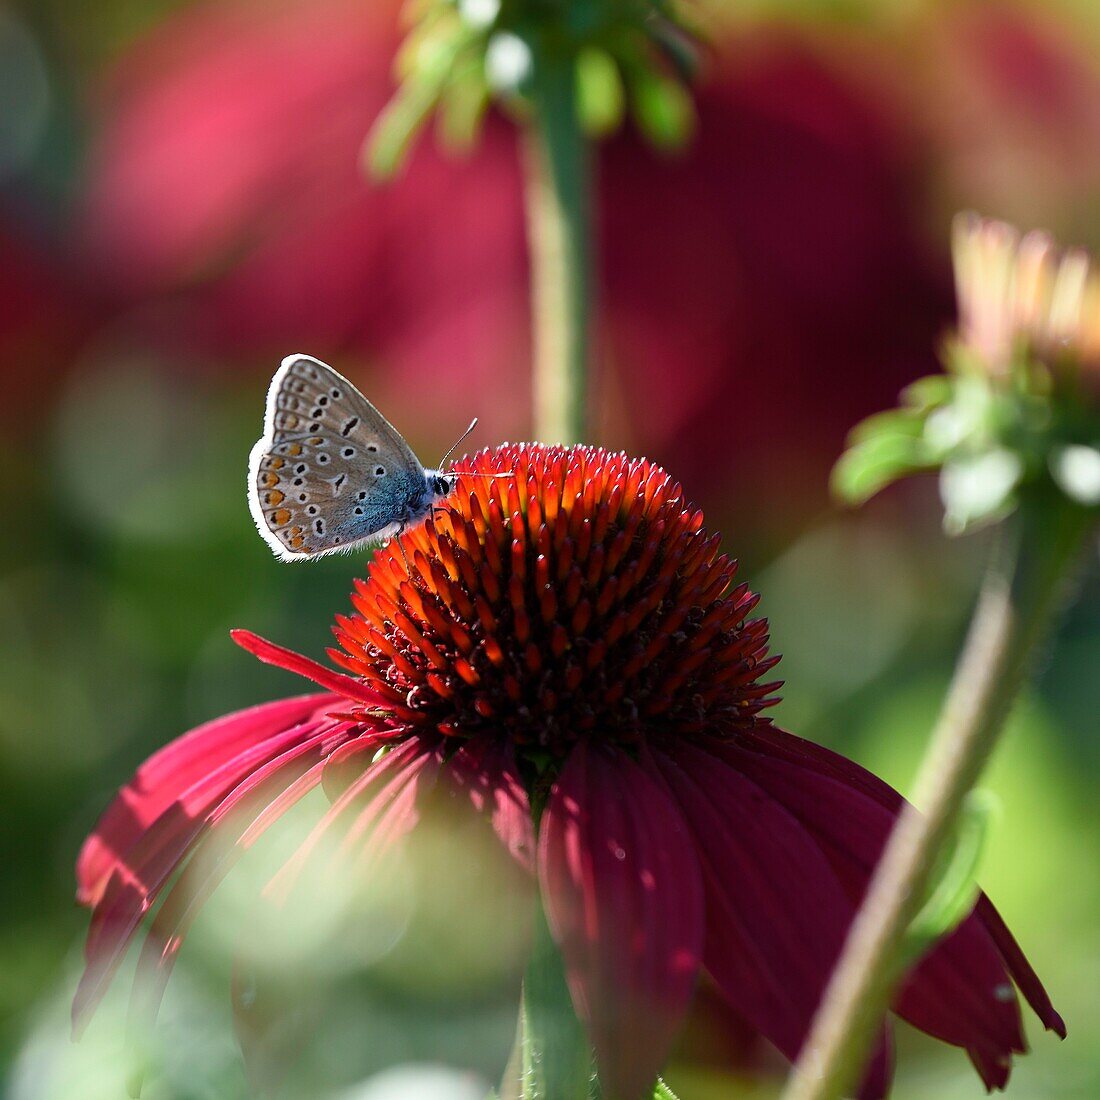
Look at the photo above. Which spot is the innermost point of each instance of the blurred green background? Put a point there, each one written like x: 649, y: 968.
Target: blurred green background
x: 181, y: 205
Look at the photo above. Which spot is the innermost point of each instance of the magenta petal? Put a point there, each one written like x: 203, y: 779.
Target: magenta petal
x: 165, y: 777
x: 280, y: 657
x: 880, y: 1070
x: 372, y: 813
x: 776, y: 912
x: 961, y: 991
x: 486, y: 771
x: 232, y: 829
x: 1020, y: 969
x: 118, y: 914
x: 624, y: 901
x: 348, y: 763
x: 159, y: 849
x: 393, y: 811
x: 954, y: 993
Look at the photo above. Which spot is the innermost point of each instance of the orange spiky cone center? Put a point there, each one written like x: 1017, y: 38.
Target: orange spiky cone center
x: 579, y: 597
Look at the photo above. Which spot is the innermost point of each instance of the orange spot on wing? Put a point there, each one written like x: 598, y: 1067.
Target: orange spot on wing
x: 275, y: 497
x: 280, y: 517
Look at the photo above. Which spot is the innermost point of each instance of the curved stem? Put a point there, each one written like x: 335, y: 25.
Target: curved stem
x: 1021, y: 593
x: 559, y: 221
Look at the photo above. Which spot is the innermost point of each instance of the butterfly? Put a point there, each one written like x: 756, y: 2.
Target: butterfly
x: 331, y: 473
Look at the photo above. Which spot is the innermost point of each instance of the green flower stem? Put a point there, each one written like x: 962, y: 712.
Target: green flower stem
x: 556, y: 1057
x: 559, y: 185
x: 1024, y: 587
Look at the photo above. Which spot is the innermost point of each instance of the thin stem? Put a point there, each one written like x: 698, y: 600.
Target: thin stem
x: 556, y: 1059
x: 559, y: 171
x: 1021, y: 593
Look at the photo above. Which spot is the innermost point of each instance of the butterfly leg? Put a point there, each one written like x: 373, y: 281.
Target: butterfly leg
x: 396, y: 538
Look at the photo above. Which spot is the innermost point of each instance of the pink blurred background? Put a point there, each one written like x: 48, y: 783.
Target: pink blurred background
x: 182, y: 204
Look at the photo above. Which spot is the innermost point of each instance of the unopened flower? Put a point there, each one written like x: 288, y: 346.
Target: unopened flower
x: 1021, y: 294
x: 1017, y: 409
x: 568, y: 645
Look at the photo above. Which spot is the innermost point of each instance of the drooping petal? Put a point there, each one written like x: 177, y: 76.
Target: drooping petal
x: 1023, y: 974
x: 237, y: 823
x: 159, y: 849
x: 131, y: 891
x: 960, y: 992
x: 413, y: 877
x: 958, y: 1000
x: 776, y: 912
x: 717, y: 1037
x: 167, y: 777
x: 879, y: 1075
x: 486, y: 771
x: 815, y: 759
x: 375, y: 811
x: 624, y: 900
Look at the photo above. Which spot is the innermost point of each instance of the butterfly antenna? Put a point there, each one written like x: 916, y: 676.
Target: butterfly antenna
x: 454, y: 446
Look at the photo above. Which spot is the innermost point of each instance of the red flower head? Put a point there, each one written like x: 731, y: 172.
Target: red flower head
x: 569, y: 639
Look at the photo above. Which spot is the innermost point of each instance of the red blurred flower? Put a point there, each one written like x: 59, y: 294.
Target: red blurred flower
x: 572, y: 632
x: 772, y: 269
x: 1011, y: 100
x: 46, y: 314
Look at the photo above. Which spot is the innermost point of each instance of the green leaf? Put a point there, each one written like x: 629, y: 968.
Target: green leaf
x: 661, y: 1091
x: 462, y: 109
x: 928, y: 392
x: 663, y: 108
x: 394, y: 129
x: 902, y: 422
x: 600, y: 96
x: 953, y: 889
x: 405, y: 114
x: 874, y: 463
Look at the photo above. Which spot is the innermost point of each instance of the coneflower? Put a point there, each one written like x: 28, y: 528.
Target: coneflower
x: 566, y: 650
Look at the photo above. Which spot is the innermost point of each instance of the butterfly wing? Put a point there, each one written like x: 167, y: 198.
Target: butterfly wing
x: 330, y: 471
